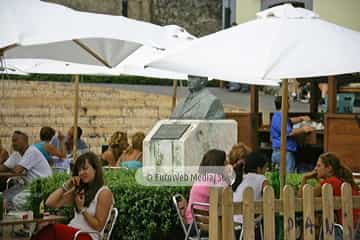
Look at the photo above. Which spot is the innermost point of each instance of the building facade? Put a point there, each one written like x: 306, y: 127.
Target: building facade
x: 344, y: 13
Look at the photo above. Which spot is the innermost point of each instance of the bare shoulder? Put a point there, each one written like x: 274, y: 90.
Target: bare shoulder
x: 105, y: 193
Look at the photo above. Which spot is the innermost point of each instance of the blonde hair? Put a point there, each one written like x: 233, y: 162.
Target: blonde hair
x: 238, y: 152
x: 118, y: 143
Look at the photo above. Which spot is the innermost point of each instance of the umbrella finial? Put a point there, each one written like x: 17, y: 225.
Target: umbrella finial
x: 286, y: 11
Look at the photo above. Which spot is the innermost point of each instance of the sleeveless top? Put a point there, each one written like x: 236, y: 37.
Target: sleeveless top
x: 132, y: 164
x: 41, y: 147
x: 253, y: 180
x: 79, y: 221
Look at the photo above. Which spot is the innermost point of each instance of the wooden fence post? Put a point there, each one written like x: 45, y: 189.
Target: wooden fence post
x: 248, y: 213
x: 214, y: 221
x: 308, y: 213
x: 227, y: 214
x: 289, y: 213
x: 347, y: 211
x: 328, y: 212
x: 269, y: 213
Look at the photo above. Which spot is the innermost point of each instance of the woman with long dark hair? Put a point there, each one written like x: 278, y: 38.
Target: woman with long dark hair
x: 329, y: 169
x: 92, y: 202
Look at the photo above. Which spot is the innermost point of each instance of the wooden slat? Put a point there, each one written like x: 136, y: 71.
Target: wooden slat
x: 214, y: 212
x: 248, y: 216
x: 347, y: 210
x: 328, y: 212
x: 258, y: 205
x: 332, y: 94
x: 309, y: 216
x: 269, y: 213
x: 227, y: 213
x: 289, y: 212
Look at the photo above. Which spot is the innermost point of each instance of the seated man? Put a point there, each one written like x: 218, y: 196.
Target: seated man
x: 200, y: 103
x: 25, y: 159
x: 69, y: 141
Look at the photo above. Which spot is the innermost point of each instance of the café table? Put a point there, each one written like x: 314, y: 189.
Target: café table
x: 11, y: 221
x: 11, y: 174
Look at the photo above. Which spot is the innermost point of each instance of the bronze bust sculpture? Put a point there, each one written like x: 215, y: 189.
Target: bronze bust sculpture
x: 200, y: 103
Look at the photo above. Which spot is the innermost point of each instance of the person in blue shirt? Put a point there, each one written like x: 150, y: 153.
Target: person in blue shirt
x: 47, y: 149
x: 275, y: 133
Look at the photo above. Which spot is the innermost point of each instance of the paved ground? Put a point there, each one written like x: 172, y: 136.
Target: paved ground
x: 266, y: 102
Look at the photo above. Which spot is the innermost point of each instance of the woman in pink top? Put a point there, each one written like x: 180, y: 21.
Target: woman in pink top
x: 201, y: 189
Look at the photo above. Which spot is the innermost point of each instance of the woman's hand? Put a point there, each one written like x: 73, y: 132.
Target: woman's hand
x: 73, y: 182
x: 80, y: 200
x: 310, y: 175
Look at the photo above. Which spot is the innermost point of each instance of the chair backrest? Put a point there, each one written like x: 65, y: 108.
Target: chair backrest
x: 200, y: 214
x: 258, y: 226
x: 110, y: 224
x: 180, y: 204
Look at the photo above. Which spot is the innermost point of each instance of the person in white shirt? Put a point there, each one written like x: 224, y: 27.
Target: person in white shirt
x: 27, y: 160
x: 91, y: 199
x: 255, y: 168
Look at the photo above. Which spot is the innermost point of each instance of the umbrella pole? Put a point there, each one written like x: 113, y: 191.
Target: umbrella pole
x: 175, y: 83
x: 284, y: 115
x: 76, y: 115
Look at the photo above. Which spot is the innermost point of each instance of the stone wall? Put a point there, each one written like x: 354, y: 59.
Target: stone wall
x: 28, y: 106
x: 198, y: 17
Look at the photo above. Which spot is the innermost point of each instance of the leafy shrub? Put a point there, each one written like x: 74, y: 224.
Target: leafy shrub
x: 292, y: 179
x: 144, y: 212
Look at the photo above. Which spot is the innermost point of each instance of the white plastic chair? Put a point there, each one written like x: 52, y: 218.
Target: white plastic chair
x: 107, y: 229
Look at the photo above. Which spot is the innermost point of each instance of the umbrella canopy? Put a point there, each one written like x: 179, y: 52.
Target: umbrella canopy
x: 176, y: 37
x: 36, y: 29
x: 283, y: 42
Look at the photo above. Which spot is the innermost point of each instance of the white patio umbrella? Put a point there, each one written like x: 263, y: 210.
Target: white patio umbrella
x: 36, y: 29
x: 284, y: 42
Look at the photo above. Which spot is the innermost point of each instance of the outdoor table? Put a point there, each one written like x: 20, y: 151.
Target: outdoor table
x: 11, y: 174
x: 14, y: 221
x: 10, y: 220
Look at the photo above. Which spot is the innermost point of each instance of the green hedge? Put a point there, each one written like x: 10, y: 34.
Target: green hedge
x: 144, y: 212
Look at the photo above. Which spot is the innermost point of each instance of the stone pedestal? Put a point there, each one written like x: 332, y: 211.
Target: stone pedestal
x: 182, y: 143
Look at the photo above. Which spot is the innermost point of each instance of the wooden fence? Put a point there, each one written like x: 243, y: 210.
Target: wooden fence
x: 222, y: 209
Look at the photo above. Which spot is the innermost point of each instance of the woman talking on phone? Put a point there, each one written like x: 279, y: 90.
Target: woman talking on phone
x: 92, y: 202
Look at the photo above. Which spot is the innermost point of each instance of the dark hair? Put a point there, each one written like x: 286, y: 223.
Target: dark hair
x: 22, y: 134
x: 137, y: 141
x: 340, y: 171
x: 253, y: 161
x: 92, y: 187
x: 46, y: 133
x: 277, y: 102
x: 213, y: 157
x: 79, y: 132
